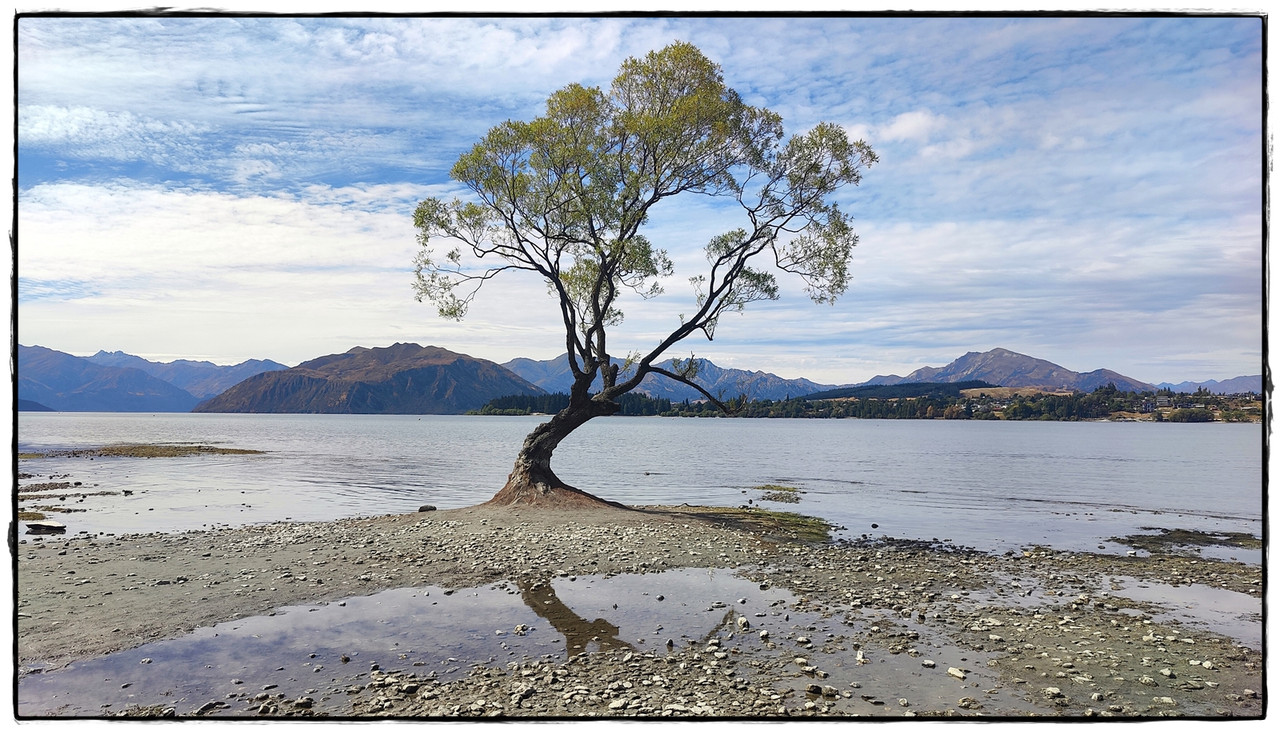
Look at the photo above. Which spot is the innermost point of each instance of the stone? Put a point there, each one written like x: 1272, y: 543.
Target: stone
x: 210, y: 706
x: 45, y: 527
x: 426, y: 508
x: 956, y: 673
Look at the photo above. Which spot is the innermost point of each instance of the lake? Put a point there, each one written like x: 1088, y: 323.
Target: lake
x: 986, y: 484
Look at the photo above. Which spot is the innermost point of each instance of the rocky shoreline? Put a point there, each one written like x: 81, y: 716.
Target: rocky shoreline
x: 873, y: 627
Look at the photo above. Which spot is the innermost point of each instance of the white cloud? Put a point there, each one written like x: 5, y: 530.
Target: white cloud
x: 915, y: 126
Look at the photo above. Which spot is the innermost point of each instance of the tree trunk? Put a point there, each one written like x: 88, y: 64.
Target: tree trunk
x: 532, y: 482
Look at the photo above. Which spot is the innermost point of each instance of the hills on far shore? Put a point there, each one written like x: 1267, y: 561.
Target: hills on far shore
x: 404, y: 378
x: 119, y: 382
x: 407, y: 378
x: 555, y: 376
x: 1239, y: 384
x: 200, y: 378
x: 1007, y: 368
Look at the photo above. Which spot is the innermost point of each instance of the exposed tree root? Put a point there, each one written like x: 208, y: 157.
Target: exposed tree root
x: 552, y: 494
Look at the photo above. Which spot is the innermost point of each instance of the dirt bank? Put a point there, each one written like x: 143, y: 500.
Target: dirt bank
x: 948, y: 632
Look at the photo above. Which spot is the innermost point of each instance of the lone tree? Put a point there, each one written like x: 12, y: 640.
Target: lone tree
x: 568, y: 194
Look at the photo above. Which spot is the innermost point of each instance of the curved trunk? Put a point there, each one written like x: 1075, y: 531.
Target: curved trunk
x: 532, y: 482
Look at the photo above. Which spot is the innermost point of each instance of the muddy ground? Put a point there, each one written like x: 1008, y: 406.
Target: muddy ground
x: 875, y: 627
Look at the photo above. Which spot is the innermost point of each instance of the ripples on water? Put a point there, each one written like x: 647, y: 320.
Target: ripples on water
x: 991, y: 485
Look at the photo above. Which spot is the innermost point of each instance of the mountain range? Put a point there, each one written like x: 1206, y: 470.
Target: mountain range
x: 1015, y: 370
x: 1239, y: 384
x: 116, y: 381
x: 200, y: 378
x: 555, y: 376
x: 409, y: 378
x: 404, y: 378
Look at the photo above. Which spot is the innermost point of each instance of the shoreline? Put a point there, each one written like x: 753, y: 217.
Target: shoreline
x: 82, y: 597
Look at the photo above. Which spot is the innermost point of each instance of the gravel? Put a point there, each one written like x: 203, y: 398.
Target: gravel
x: 878, y: 628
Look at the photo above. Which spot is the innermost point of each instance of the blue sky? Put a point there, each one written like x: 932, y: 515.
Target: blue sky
x: 1086, y: 190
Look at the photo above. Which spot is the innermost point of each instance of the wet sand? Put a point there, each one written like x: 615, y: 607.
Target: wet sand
x: 898, y: 628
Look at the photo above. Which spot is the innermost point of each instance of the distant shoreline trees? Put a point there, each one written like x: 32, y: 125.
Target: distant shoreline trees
x: 928, y: 401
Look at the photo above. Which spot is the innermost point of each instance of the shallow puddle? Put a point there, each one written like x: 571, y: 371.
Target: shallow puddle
x: 434, y: 633
x: 1229, y: 613
x: 299, y: 650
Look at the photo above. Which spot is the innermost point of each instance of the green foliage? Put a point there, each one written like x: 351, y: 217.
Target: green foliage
x: 1190, y: 415
x: 1103, y: 402
x: 798, y: 408
x: 944, y: 400
x: 899, y: 390
x: 631, y: 404
x: 566, y: 196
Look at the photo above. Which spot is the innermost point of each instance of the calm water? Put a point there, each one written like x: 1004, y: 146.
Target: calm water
x: 991, y: 485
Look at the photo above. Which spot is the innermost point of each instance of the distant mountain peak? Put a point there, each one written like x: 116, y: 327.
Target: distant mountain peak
x: 199, y: 377
x: 404, y: 378
x: 1239, y: 384
x: 1004, y: 367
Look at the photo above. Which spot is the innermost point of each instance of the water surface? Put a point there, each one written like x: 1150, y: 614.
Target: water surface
x: 991, y: 485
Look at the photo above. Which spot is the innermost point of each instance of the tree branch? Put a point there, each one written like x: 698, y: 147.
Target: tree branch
x: 681, y: 379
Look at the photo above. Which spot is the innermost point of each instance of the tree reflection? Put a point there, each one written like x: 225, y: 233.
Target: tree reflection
x: 578, y: 632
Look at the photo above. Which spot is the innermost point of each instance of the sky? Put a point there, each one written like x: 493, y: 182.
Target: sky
x: 1087, y: 190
